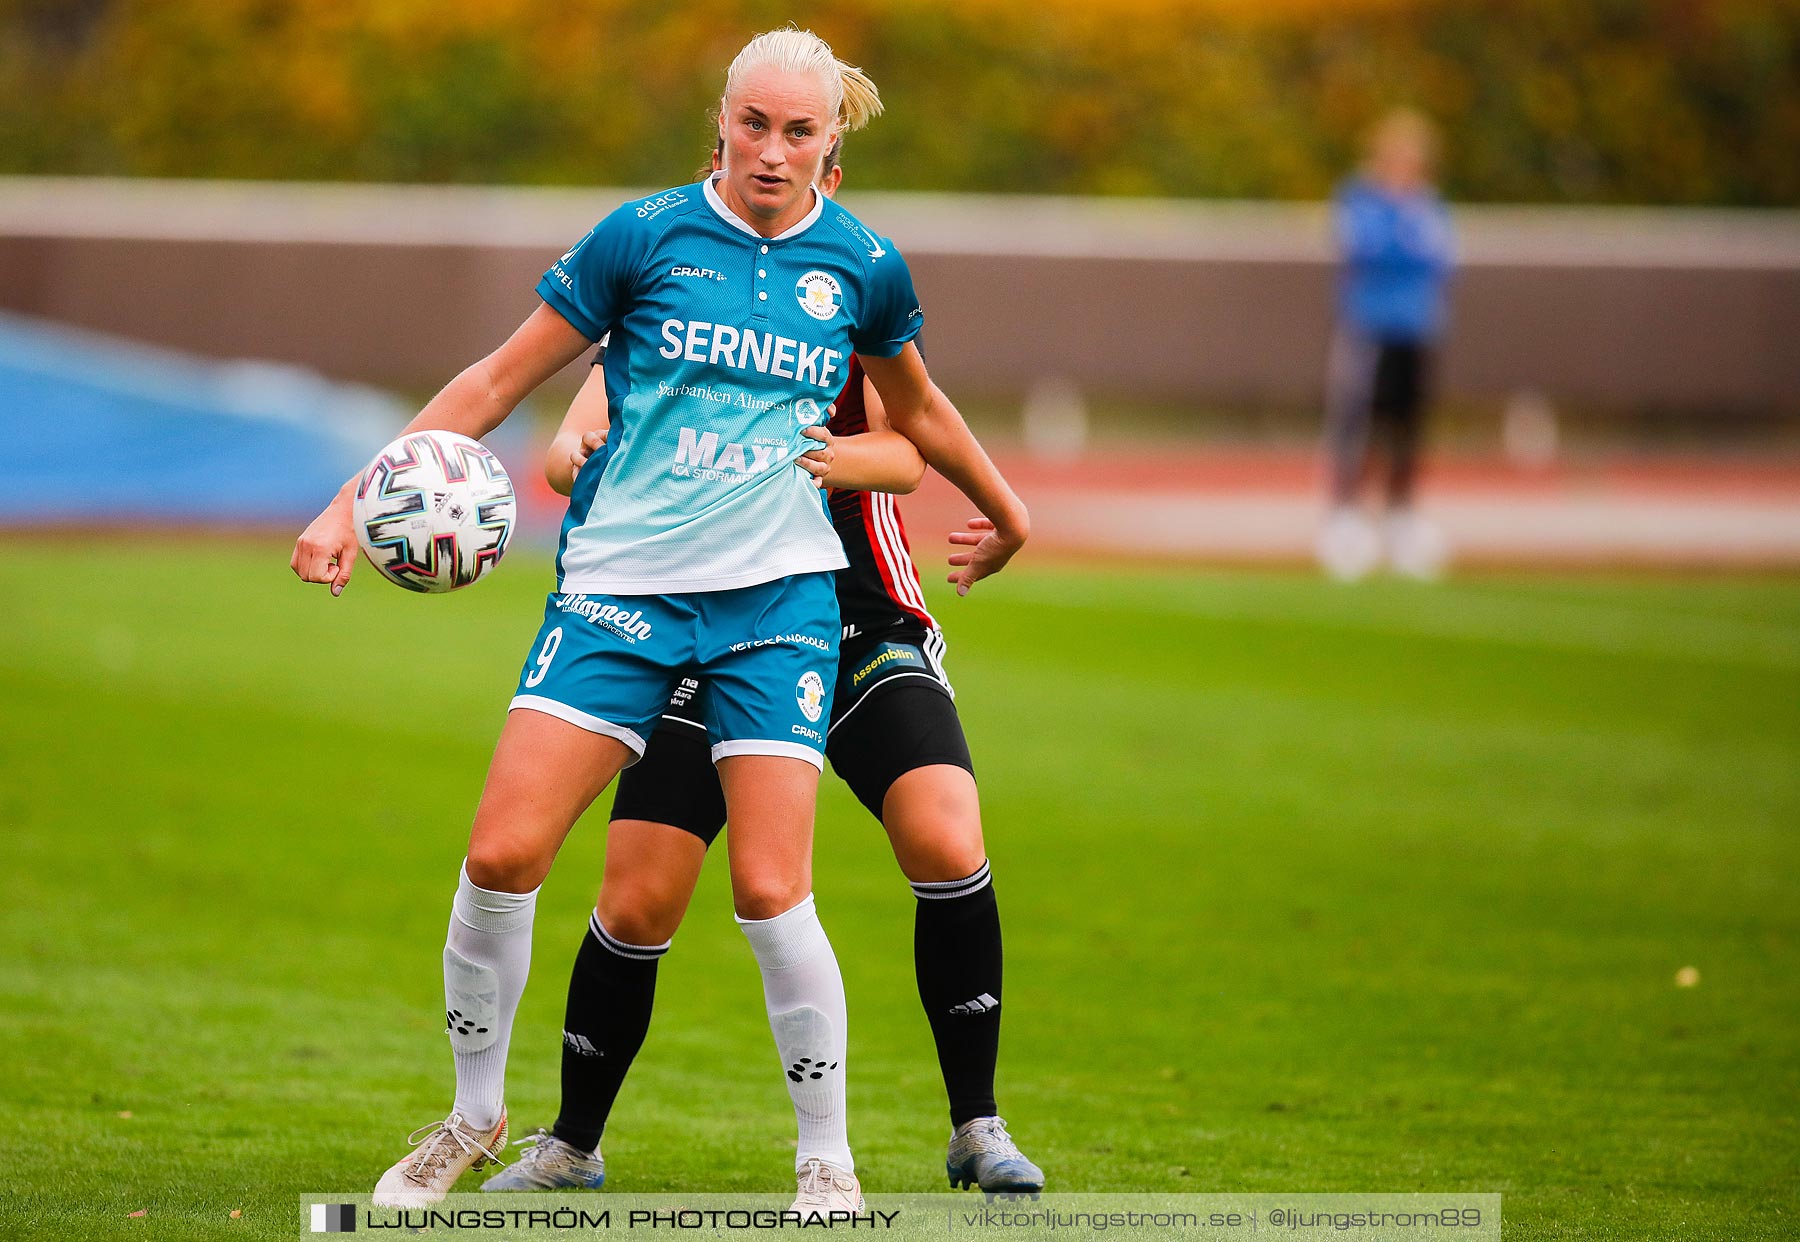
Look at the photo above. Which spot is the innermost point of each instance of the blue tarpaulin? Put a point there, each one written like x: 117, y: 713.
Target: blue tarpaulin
x: 95, y: 429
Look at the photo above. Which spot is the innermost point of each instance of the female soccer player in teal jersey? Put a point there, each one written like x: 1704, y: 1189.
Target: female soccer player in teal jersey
x: 692, y: 543
x: 894, y: 737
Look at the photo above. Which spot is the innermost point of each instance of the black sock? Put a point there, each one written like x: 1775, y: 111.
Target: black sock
x: 956, y: 952
x: 610, y: 996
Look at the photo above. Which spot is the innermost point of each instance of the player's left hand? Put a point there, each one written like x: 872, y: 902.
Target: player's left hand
x: 818, y: 462
x: 588, y: 445
x: 989, y: 550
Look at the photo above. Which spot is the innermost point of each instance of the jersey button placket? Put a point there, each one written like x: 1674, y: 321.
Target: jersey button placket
x: 760, y: 307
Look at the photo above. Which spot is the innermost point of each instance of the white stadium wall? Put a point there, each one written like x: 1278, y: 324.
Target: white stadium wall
x: 1695, y: 311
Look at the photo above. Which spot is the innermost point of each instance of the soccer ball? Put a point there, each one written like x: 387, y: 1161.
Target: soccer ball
x: 434, y: 511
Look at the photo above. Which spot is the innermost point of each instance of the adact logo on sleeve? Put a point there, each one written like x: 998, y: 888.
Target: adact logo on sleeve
x: 650, y: 208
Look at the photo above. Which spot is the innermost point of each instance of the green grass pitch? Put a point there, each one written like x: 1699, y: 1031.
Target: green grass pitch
x: 1374, y: 888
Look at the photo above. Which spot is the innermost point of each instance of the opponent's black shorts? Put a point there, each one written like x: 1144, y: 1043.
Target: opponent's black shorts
x: 893, y: 711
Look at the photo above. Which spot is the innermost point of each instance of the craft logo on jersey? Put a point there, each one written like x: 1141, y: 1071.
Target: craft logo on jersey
x: 811, y: 695
x: 820, y: 294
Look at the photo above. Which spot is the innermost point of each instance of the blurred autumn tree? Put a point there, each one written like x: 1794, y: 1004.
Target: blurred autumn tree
x: 1653, y: 101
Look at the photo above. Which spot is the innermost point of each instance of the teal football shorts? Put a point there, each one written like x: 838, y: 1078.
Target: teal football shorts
x: 768, y: 655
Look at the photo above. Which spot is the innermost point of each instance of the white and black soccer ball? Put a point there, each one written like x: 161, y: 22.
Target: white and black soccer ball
x: 434, y: 511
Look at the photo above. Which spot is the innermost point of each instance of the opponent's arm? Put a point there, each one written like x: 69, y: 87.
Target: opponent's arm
x: 876, y: 460
x: 582, y: 433
x: 473, y: 404
x: 920, y: 411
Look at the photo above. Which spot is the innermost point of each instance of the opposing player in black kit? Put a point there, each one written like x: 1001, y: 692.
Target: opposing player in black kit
x: 893, y: 736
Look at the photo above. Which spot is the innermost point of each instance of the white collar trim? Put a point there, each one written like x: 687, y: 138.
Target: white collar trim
x: 732, y: 218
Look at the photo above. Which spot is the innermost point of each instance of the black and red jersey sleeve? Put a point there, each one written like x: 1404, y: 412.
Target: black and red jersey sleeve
x: 880, y: 588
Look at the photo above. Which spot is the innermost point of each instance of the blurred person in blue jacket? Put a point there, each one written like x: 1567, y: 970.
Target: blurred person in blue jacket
x: 1396, y: 248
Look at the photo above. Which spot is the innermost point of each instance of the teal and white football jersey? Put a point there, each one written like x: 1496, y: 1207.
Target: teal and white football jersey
x: 724, y: 347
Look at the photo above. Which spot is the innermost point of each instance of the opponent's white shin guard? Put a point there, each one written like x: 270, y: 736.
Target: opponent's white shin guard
x: 487, y: 957
x: 804, y: 992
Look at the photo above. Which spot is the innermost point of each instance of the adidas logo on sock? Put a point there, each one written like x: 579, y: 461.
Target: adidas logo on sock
x: 580, y: 1044
x: 981, y: 1004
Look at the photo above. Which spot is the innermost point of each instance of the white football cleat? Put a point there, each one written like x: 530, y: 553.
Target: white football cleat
x: 1416, y: 548
x: 443, y: 1152
x: 1348, y: 546
x: 825, y: 1189
x: 548, y: 1163
x: 983, y: 1154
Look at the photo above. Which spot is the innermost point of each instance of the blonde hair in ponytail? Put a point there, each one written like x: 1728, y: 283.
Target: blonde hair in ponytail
x: 862, y: 102
x: 849, y: 93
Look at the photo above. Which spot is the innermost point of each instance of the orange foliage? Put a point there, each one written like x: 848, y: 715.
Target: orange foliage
x: 1639, y: 100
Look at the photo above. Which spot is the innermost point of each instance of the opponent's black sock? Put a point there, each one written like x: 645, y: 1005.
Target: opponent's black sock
x: 956, y: 953
x: 611, y: 993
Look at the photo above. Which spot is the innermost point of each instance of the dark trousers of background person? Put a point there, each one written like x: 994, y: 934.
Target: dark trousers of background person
x: 1375, y: 396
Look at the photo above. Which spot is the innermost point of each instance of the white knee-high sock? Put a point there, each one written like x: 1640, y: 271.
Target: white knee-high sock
x: 486, y: 959
x: 805, y: 997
